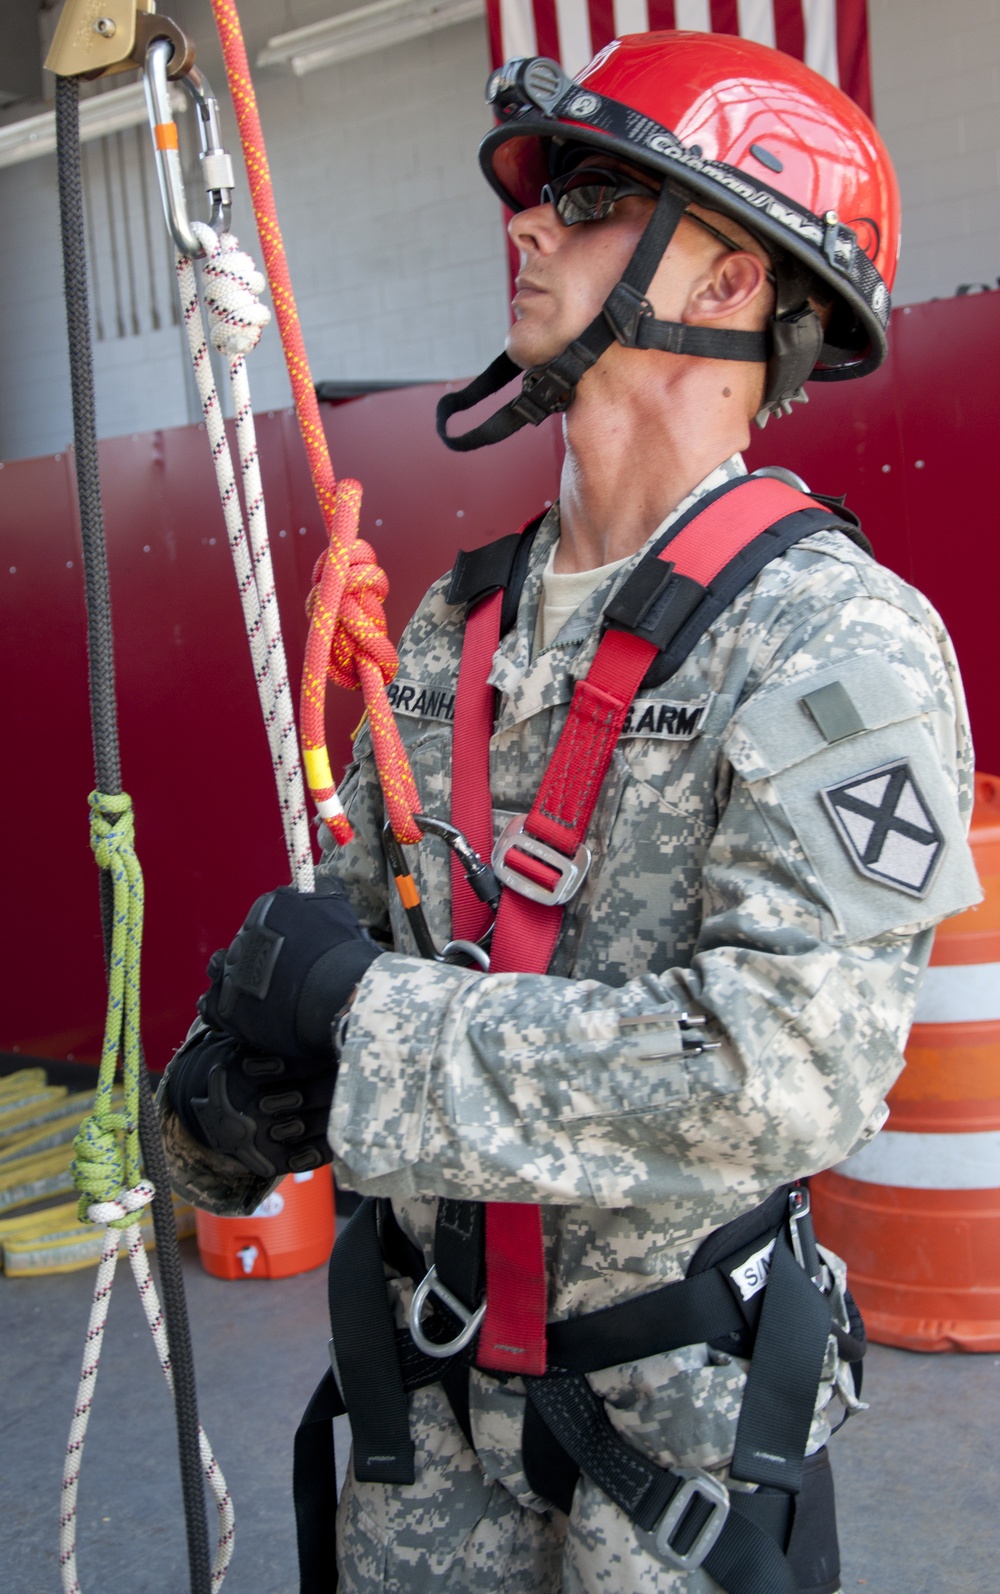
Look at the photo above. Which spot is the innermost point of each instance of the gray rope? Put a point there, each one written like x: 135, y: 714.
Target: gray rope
x: 107, y: 763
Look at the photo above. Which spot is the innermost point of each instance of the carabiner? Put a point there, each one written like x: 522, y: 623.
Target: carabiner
x: 478, y: 874
x: 216, y: 165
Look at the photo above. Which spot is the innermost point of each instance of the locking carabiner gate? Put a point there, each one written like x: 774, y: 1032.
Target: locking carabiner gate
x: 216, y: 164
x: 478, y: 874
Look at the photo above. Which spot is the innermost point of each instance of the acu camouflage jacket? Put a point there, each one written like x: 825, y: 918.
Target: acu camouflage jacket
x: 732, y: 879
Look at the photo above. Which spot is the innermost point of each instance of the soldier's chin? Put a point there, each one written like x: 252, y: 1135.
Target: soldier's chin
x: 528, y: 347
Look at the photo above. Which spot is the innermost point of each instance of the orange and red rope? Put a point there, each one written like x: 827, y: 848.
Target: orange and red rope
x: 348, y: 636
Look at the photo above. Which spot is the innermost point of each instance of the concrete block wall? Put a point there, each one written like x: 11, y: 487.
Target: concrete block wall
x: 395, y: 242
x: 936, y: 82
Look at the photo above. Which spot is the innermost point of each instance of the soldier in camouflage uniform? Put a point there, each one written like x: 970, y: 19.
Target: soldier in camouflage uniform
x: 728, y: 883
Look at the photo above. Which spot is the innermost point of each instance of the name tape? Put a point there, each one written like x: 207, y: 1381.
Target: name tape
x: 751, y: 1275
x: 654, y: 717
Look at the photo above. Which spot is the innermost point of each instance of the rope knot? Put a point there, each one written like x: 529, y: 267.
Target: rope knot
x: 112, y: 826
x: 361, y: 628
x: 99, y: 1165
x: 121, y: 1211
x: 231, y: 285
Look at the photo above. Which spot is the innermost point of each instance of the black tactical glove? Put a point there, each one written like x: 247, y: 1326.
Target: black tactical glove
x: 252, y: 1106
x: 288, y: 973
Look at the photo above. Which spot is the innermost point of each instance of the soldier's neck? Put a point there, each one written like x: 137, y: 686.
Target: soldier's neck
x: 634, y: 452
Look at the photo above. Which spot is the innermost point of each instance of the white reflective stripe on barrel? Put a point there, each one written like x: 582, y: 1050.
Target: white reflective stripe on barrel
x: 928, y: 1162
x: 962, y: 993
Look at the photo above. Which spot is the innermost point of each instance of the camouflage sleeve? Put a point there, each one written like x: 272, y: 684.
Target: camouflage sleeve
x: 526, y: 1087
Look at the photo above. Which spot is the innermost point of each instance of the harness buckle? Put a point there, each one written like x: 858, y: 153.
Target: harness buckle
x: 697, y: 1485
x: 571, y: 872
x: 543, y: 393
x: 430, y: 1284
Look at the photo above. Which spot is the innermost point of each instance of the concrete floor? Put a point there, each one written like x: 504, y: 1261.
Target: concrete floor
x: 916, y: 1476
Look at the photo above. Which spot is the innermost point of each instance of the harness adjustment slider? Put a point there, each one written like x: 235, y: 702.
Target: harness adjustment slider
x: 570, y: 873
x: 697, y: 1485
x: 623, y: 310
x: 654, y: 602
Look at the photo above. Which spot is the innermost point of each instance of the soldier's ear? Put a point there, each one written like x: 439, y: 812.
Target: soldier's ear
x: 733, y: 284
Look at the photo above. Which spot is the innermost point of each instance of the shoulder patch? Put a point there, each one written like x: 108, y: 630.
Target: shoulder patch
x: 887, y: 827
x: 422, y: 699
x: 665, y: 719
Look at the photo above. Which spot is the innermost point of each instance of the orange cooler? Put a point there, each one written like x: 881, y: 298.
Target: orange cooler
x: 291, y: 1232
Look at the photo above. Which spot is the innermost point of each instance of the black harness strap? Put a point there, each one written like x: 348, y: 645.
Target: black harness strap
x: 314, y: 1487
x: 745, y: 1558
x: 565, y: 1425
x: 777, y: 1408
x: 363, y: 1338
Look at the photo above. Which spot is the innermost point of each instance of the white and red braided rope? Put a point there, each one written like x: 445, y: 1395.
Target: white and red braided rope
x: 231, y: 284
x: 129, y: 1203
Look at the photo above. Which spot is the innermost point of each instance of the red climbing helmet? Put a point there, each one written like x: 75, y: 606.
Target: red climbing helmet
x: 738, y: 128
x: 751, y: 132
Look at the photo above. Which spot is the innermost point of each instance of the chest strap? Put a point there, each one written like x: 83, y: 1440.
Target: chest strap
x: 706, y: 557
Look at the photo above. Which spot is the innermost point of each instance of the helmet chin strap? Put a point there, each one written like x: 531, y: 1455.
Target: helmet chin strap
x: 625, y: 317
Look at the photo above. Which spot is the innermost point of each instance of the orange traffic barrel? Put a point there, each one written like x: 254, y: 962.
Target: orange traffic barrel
x: 916, y: 1213
x: 290, y: 1232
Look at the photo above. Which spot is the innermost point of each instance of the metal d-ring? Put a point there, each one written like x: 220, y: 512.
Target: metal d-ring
x: 430, y: 1284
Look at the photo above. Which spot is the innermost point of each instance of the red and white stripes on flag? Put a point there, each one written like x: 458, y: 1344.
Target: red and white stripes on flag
x: 831, y: 36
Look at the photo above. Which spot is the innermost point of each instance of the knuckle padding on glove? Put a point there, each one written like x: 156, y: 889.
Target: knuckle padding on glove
x: 225, y: 1097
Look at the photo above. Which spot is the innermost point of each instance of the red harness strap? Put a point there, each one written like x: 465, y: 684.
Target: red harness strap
x: 512, y: 1337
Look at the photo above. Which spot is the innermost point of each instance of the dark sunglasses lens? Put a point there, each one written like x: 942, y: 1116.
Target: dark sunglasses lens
x: 589, y: 194
x: 588, y: 202
x: 584, y: 201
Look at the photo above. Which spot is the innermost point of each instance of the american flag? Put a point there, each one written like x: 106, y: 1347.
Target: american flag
x: 831, y: 36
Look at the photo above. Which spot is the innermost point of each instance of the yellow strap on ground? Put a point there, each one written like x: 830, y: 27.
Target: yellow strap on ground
x: 39, y: 1110
x: 32, y: 1178
x: 31, y: 1224
x: 55, y: 1132
x: 20, y: 1082
x: 53, y: 1242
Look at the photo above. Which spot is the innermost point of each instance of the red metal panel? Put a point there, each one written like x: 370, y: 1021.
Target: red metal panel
x: 910, y: 446
x: 194, y: 753
x: 947, y: 384
x: 52, y: 959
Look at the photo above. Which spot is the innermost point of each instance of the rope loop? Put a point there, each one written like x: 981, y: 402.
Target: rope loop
x: 119, y: 1211
x: 231, y: 286
x: 112, y: 827
x: 360, y: 626
x: 106, y: 1149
